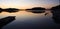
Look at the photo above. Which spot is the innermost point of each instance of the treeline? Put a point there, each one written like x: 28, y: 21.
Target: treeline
x: 36, y: 10
x: 33, y: 10
x: 9, y: 10
x: 56, y: 13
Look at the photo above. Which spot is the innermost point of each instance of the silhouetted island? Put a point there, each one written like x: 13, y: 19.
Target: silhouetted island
x: 11, y: 10
x: 56, y: 13
x: 36, y: 10
x: 6, y: 20
x: 1, y: 10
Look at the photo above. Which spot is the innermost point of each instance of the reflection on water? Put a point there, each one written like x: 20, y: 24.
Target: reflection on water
x: 21, y: 14
x: 28, y: 20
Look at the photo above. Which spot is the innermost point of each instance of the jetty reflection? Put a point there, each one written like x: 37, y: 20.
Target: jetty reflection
x: 6, y: 20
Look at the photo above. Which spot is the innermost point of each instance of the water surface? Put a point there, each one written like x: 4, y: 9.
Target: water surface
x: 28, y: 20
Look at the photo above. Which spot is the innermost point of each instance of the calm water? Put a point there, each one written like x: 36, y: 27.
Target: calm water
x: 28, y: 20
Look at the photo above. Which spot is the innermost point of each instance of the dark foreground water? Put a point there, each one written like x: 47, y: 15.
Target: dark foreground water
x: 27, y: 20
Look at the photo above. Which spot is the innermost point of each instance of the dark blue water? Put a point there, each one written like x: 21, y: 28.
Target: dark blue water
x: 36, y: 22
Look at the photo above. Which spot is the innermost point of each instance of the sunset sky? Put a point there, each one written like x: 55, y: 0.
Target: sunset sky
x: 24, y: 4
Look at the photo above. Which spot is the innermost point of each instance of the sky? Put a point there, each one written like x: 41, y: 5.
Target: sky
x: 24, y: 4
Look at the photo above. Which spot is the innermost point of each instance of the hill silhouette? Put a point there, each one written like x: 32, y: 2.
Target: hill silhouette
x: 1, y: 10
x: 36, y: 10
x: 6, y: 20
x: 56, y: 13
x: 11, y: 10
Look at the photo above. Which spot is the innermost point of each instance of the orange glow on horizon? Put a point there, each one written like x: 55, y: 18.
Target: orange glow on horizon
x: 24, y: 6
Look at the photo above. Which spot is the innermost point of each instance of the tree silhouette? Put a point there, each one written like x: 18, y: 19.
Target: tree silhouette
x: 10, y: 10
x: 56, y: 7
x: 1, y: 10
x: 56, y: 13
x: 37, y: 10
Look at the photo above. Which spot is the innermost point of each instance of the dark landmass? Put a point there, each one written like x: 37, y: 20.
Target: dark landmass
x: 56, y: 13
x: 6, y: 20
x: 1, y: 10
x: 36, y: 10
x: 11, y: 10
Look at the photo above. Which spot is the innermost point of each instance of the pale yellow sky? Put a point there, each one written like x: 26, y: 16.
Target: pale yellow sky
x: 24, y: 4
